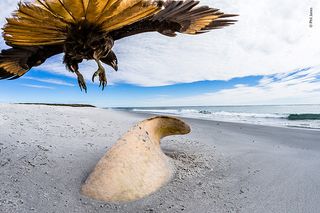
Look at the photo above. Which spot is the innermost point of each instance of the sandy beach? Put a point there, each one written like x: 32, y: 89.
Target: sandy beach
x: 46, y: 152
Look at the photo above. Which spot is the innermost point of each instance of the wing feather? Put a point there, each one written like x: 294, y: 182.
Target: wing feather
x: 16, y: 61
x: 178, y: 16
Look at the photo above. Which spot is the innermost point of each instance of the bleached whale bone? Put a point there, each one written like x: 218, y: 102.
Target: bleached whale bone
x: 135, y: 166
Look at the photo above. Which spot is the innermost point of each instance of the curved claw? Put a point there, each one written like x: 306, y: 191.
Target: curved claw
x: 82, y: 83
x: 95, y: 75
x: 102, y: 75
x: 103, y: 80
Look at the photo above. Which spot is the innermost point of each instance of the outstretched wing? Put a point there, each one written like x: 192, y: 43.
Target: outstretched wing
x: 178, y: 16
x: 16, y: 61
x: 46, y: 22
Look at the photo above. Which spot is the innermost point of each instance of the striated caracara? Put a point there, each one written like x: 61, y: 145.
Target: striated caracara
x: 87, y: 29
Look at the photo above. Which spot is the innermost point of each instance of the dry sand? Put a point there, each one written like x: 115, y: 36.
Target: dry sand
x: 47, y: 152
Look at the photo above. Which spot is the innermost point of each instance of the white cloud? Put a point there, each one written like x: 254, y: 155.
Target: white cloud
x: 6, y: 8
x: 50, y: 81
x: 37, y: 86
x: 270, y: 37
x: 288, y: 88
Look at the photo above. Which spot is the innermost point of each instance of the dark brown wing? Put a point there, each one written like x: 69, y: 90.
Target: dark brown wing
x: 16, y: 61
x: 178, y: 16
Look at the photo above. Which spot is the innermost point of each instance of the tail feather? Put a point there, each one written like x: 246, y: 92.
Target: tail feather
x: 114, y: 7
x: 37, y: 24
x: 129, y: 15
x: 57, y: 9
x: 98, y: 11
x: 94, y: 9
x: 132, y: 19
x: 46, y: 21
x: 38, y: 15
x: 27, y: 24
x: 108, y: 4
x: 75, y: 7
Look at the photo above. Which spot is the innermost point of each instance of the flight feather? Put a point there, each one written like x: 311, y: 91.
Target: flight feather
x: 88, y: 29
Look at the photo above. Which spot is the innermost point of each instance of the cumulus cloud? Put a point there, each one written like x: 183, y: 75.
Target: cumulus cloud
x: 271, y: 37
x: 298, y: 87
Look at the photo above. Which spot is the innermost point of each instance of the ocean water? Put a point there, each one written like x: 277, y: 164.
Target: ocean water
x: 303, y: 116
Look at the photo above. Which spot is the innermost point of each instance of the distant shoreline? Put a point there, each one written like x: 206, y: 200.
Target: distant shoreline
x: 68, y: 105
x: 303, y: 120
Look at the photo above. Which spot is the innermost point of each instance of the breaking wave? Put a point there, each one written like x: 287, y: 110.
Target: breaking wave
x: 297, y: 116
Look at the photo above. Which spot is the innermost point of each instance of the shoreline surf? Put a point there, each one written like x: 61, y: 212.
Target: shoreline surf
x: 298, y: 116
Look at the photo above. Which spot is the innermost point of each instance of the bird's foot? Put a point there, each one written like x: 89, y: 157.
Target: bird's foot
x: 81, y: 81
x: 102, y: 75
x: 102, y: 79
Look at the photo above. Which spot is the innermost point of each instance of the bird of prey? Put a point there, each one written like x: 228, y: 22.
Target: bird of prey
x: 88, y: 29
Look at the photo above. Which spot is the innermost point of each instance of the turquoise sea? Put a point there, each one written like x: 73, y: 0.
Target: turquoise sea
x: 303, y: 116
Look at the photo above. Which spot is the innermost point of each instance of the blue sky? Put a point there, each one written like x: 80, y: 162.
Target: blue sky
x: 260, y: 60
x: 42, y: 86
x: 298, y: 87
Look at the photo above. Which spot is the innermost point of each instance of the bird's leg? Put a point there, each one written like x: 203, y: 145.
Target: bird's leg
x: 102, y: 74
x: 81, y: 81
x: 73, y: 67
